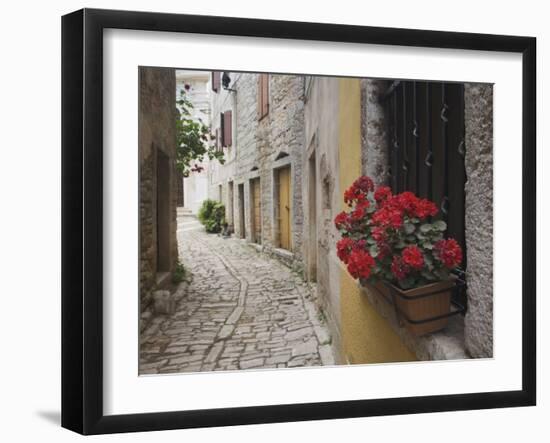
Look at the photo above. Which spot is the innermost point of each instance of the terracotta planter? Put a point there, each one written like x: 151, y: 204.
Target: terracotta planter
x: 415, y: 305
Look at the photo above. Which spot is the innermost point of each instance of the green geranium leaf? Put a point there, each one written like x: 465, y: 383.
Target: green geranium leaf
x: 442, y: 274
x: 436, y: 237
x: 373, y: 250
x: 440, y: 225
x: 409, y: 228
x: 428, y: 275
x: 425, y: 228
x: 407, y: 283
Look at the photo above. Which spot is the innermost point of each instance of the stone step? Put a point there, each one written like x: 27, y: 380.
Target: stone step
x: 184, y: 211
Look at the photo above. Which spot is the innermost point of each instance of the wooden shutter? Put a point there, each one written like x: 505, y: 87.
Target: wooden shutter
x: 222, y: 132
x: 227, y: 126
x: 263, y: 95
x: 216, y: 75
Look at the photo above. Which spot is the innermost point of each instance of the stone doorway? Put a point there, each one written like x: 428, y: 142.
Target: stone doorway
x: 242, y: 231
x: 163, y: 213
x: 230, y: 214
x: 256, y: 210
x: 312, y: 214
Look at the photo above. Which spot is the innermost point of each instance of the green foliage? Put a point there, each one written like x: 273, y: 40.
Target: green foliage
x: 193, y: 138
x: 212, y: 215
x: 179, y: 273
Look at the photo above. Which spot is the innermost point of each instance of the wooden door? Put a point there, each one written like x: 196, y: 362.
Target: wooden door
x: 284, y: 208
x: 256, y: 210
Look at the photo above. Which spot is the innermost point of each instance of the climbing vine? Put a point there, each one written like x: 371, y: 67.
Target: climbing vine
x: 194, y: 139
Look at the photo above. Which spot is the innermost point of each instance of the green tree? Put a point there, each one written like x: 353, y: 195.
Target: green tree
x: 194, y: 139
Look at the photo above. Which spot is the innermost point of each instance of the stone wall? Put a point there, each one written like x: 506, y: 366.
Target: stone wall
x: 374, y: 131
x: 478, y: 113
x: 157, y: 136
x: 322, y: 138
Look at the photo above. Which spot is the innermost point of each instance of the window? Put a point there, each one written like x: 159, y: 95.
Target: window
x: 216, y: 77
x: 263, y: 95
x: 219, y: 146
x: 427, y: 147
x: 226, y: 128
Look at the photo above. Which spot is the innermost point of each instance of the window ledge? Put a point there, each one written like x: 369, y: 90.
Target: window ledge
x: 447, y: 344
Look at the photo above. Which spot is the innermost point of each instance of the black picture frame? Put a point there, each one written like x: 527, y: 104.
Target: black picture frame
x: 82, y: 218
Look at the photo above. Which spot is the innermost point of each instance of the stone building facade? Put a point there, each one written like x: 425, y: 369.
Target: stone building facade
x: 157, y: 175
x: 261, y: 180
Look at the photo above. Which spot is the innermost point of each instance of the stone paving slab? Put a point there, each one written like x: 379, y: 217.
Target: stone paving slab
x: 242, y: 310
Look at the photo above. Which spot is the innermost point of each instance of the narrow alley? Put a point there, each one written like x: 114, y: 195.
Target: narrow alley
x: 242, y: 310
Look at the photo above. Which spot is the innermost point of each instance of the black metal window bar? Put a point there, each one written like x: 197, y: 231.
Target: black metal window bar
x: 427, y: 150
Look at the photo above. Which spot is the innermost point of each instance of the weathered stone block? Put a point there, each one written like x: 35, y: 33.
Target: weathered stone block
x: 164, y: 303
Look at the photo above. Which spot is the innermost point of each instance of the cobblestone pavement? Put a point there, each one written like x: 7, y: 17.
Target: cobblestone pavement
x: 242, y: 310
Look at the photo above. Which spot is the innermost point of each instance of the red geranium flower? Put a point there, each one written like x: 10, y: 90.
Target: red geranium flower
x: 360, y: 263
x: 412, y: 256
x: 398, y: 268
x: 360, y: 211
x: 364, y: 184
x: 382, y: 194
x: 344, y: 247
x: 407, y: 202
x: 401, y: 252
x: 379, y: 234
x: 388, y: 217
x: 359, y: 190
x: 341, y: 221
x: 425, y: 208
x: 448, y: 252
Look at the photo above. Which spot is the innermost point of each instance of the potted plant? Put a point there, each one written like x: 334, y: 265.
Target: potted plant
x: 394, y: 244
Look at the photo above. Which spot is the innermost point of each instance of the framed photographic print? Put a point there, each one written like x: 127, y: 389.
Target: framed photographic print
x: 270, y: 221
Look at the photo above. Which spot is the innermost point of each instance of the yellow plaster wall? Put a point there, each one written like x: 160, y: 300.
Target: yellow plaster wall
x: 366, y: 336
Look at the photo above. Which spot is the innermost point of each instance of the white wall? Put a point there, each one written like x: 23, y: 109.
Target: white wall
x: 195, y: 187
x: 30, y: 234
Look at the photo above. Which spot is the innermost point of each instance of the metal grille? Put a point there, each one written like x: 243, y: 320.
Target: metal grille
x: 427, y: 148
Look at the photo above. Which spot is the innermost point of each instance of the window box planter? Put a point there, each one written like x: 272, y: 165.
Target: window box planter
x: 421, y: 310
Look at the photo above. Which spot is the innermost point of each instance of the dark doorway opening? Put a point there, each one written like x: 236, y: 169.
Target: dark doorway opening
x: 163, y: 212
x: 242, y: 231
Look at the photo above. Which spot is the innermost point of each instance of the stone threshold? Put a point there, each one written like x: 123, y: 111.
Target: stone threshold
x: 284, y: 256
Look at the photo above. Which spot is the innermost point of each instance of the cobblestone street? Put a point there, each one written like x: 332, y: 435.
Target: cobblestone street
x: 242, y: 310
